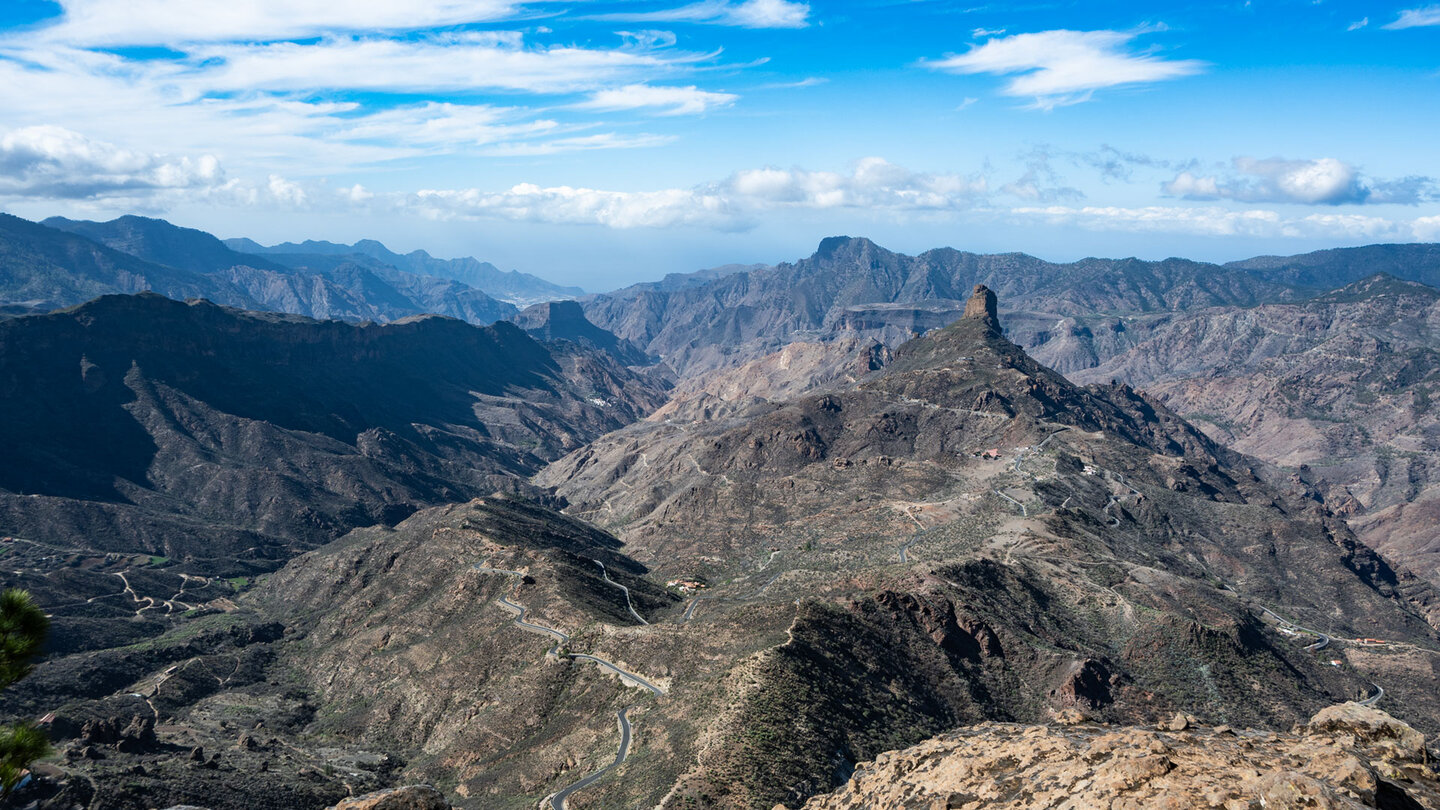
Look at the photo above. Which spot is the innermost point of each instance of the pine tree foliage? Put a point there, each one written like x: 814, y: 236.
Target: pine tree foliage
x: 23, y: 626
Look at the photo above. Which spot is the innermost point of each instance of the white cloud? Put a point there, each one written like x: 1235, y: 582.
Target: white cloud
x: 877, y: 187
x: 666, y: 100
x: 457, y: 62
x: 285, y: 191
x: 1348, y: 226
x: 1325, y: 181
x: 168, y: 22
x: 648, y: 38
x: 873, y: 185
x: 1191, y: 187
x: 767, y: 14
x: 580, y: 143
x: 1426, y: 229
x: 808, y: 81
x: 1062, y: 67
x: 443, y: 125
x: 1416, y: 18
x: 746, y: 14
x: 1358, y: 24
x: 584, y: 206
x: 250, y: 104
x: 78, y: 168
x: 356, y: 194
x: 1217, y: 221
x: 53, y: 162
x: 1211, y: 221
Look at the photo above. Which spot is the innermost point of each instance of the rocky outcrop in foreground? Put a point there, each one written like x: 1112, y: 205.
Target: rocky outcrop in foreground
x: 410, y: 797
x: 1346, y: 756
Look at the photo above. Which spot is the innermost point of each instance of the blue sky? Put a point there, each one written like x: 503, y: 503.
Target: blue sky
x: 603, y: 143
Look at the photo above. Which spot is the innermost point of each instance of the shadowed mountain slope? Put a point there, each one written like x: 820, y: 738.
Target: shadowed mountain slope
x: 132, y: 418
x: 565, y: 320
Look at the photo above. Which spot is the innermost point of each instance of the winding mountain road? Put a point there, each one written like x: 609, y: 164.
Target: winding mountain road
x: 629, y: 677
x: 1322, y: 641
x: 1023, y: 510
x: 1114, y: 521
x: 905, y: 549
x: 520, y: 611
x: 915, y: 538
x: 694, y: 603
x: 629, y: 603
x: 556, y: 801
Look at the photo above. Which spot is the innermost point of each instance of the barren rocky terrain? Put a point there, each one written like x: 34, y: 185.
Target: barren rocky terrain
x: 806, y: 558
x: 161, y: 455
x: 1337, y: 389
x: 866, y: 581
x: 1345, y: 757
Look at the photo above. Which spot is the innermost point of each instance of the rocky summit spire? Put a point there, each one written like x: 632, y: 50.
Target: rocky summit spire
x: 982, y: 307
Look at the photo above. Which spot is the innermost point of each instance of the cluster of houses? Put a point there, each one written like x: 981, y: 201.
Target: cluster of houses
x: 686, y: 586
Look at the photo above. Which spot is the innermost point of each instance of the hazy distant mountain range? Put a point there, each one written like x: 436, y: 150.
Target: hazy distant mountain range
x: 520, y: 289
x: 853, y: 285
x: 63, y: 262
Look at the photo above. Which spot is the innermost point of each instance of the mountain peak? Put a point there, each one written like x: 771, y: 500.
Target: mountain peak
x: 831, y: 246
x: 983, y: 306
x: 565, y: 320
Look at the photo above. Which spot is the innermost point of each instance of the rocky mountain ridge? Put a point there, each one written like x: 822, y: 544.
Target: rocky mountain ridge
x: 738, y: 316
x: 345, y: 290
x: 1328, y: 269
x: 1072, y: 315
x: 42, y: 269
x: 565, y: 320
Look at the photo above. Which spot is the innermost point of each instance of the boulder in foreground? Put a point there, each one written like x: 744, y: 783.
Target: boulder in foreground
x: 1347, y: 756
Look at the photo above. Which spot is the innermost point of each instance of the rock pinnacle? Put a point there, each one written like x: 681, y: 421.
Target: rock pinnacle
x: 982, y: 307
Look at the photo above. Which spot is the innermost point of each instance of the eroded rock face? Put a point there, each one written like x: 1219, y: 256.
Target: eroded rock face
x: 1347, y: 756
x: 983, y: 306
x: 1372, y: 728
x: 410, y: 797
